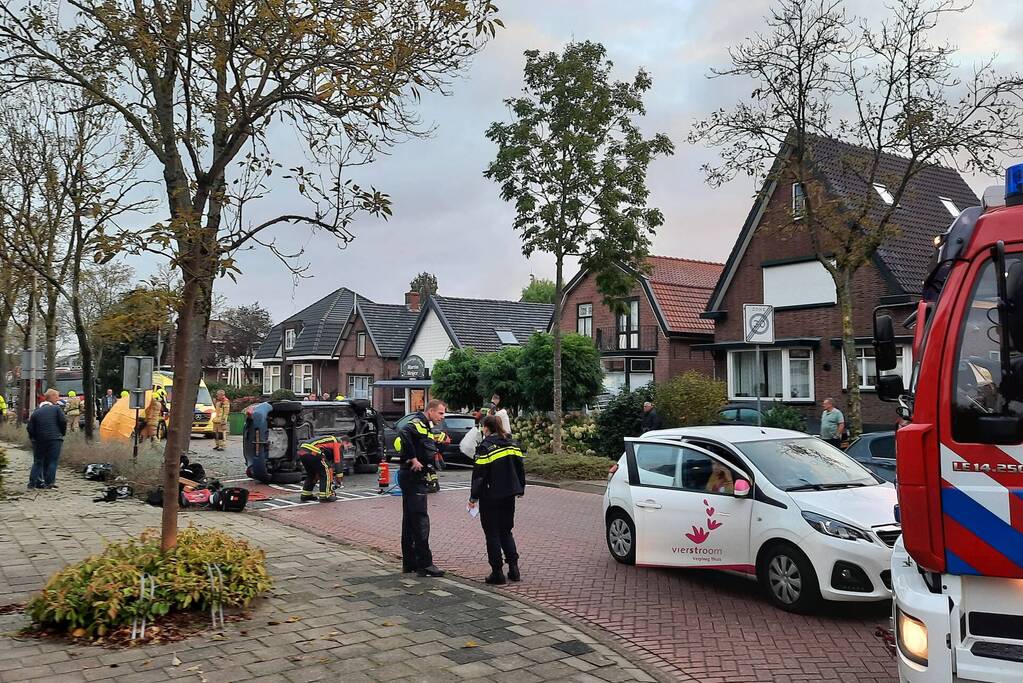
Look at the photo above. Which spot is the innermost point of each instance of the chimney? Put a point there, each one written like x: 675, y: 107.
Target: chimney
x: 412, y: 301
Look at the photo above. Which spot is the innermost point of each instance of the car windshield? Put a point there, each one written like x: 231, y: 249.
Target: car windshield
x: 805, y: 464
x: 203, y: 396
x: 459, y: 422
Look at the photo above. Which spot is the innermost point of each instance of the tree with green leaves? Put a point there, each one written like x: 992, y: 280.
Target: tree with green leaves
x: 456, y: 379
x: 582, y: 376
x: 891, y: 87
x: 499, y: 374
x: 574, y: 163
x: 425, y: 284
x: 538, y: 291
x: 202, y: 84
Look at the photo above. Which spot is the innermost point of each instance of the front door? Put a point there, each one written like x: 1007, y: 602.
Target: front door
x: 686, y: 514
x: 416, y: 400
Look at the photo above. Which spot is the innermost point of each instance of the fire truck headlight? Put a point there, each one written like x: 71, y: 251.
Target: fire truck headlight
x: 911, y: 634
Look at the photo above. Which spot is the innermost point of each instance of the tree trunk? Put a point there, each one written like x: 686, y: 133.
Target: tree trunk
x: 4, y: 323
x: 853, y: 413
x: 51, y: 337
x: 556, y: 323
x: 88, y: 372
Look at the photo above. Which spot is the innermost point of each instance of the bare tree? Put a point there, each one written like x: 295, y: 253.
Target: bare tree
x: 885, y: 86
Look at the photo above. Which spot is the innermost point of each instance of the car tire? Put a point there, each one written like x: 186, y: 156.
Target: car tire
x: 620, y: 534
x: 286, y: 477
x: 788, y: 579
x: 208, y: 435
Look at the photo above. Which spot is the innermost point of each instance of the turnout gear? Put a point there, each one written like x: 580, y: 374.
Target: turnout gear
x: 221, y: 409
x: 73, y: 409
x: 498, y: 477
x: 321, y: 459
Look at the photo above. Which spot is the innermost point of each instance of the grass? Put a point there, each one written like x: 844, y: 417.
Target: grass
x: 567, y: 467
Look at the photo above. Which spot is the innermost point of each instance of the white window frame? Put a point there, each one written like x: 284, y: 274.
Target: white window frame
x: 360, y: 345
x: 907, y: 367
x: 351, y: 386
x: 884, y: 193
x: 302, y: 379
x: 271, y: 378
x: 786, y: 376
x: 587, y: 329
x: 950, y: 206
x: 289, y: 339
x: 798, y: 201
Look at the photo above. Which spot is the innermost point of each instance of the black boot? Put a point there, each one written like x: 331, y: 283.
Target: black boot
x: 513, y: 572
x: 496, y: 578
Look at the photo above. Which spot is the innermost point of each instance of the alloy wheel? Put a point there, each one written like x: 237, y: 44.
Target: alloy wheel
x: 620, y: 537
x: 784, y: 579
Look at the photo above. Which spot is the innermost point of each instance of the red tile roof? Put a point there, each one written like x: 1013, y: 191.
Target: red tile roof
x: 682, y: 288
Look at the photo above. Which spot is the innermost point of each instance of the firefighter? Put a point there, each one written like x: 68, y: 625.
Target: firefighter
x: 416, y: 445
x: 221, y: 409
x: 339, y: 397
x: 3, y: 407
x: 73, y: 409
x: 321, y: 459
x: 150, y: 423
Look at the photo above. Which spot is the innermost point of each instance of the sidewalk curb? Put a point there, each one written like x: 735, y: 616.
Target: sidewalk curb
x: 580, y: 486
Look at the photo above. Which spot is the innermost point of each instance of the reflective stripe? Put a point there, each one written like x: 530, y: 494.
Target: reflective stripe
x: 314, y: 445
x: 498, y: 454
x: 397, y: 443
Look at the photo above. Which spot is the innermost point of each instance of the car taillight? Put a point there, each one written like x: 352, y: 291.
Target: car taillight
x: 611, y: 472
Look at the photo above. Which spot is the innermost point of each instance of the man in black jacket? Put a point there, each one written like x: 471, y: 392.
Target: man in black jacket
x: 498, y: 477
x: 417, y: 447
x: 46, y: 429
x: 650, y: 420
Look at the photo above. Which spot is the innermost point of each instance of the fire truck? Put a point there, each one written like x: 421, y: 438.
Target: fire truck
x: 957, y: 571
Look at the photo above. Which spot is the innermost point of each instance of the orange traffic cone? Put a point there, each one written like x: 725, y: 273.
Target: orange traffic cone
x: 383, y: 475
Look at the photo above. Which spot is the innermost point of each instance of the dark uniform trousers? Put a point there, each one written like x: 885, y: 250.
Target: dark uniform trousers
x: 317, y: 470
x: 415, y: 521
x: 497, y: 517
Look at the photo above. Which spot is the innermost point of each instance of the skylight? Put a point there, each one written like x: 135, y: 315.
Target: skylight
x: 950, y: 206
x: 507, y: 338
x: 885, y: 194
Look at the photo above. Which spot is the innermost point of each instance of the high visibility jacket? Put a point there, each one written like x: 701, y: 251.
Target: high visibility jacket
x: 221, y: 409
x: 3, y: 404
x: 327, y: 447
x: 73, y: 407
x: 418, y: 440
x: 499, y: 470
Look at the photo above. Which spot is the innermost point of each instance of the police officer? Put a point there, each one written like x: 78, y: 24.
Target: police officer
x: 498, y: 477
x: 321, y: 459
x: 417, y: 445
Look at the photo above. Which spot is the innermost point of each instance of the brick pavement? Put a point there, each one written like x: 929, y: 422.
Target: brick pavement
x: 696, y: 624
x: 334, y: 613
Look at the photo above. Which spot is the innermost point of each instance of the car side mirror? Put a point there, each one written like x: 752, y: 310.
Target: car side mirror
x: 885, y: 355
x: 741, y: 488
x: 890, y: 387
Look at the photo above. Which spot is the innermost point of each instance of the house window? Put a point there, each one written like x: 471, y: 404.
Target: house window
x: 614, y: 375
x: 798, y: 200
x: 628, y: 325
x: 804, y: 283
x: 584, y: 320
x: 867, y: 366
x: 784, y: 374
x: 885, y: 195
x: 398, y: 394
x: 302, y: 378
x: 271, y: 378
x: 289, y: 340
x: 950, y: 206
x: 360, y: 386
x: 360, y: 345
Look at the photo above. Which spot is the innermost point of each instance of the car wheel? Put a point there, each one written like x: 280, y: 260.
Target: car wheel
x: 789, y: 580
x: 208, y: 435
x: 286, y: 477
x: 621, y: 537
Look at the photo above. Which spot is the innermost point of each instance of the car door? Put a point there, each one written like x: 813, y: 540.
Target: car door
x: 678, y: 521
x: 882, y: 456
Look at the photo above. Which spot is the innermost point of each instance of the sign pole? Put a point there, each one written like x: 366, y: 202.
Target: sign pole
x: 757, y: 329
x: 758, y: 380
x: 135, y: 447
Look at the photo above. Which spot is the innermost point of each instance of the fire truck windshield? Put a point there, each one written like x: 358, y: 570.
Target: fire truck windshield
x: 978, y: 377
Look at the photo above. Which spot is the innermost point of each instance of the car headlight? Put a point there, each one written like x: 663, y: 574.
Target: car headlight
x: 832, y: 527
x: 911, y: 635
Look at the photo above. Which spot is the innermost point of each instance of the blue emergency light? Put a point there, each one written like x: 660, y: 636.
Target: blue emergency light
x: 1014, y: 185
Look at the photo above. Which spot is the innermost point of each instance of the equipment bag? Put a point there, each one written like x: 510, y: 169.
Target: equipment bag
x: 193, y: 471
x: 155, y: 497
x: 230, y: 499
x: 196, y: 497
x: 98, y: 471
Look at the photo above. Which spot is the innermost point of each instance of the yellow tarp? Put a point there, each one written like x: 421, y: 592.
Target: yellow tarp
x: 118, y: 424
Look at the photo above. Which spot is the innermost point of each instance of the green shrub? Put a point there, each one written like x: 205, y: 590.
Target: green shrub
x: 582, y: 376
x: 784, y: 417
x: 618, y: 419
x: 567, y: 467
x: 535, y: 432
x: 690, y: 399
x: 499, y: 374
x: 456, y: 379
x: 282, y: 395
x: 100, y: 593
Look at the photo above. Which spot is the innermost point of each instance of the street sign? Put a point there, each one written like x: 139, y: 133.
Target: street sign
x: 138, y: 379
x: 758, y: 323
x: 33, y: 365
x: 413, y: 367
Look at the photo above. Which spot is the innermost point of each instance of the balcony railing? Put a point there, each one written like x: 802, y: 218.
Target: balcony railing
x: 612, y: 339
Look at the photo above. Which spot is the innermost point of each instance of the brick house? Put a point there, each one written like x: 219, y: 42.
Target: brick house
x: 773, y: 262
x: 653, y: 339
x: 370, y: 350
x: 300, y: 353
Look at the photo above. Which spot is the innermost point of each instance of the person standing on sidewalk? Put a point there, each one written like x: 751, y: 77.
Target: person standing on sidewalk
x: 416, y: 445
x: 46, y: 429
x: 650, y: 420
x: 498, y: 478
x: 221, y: 409
x: 832, y: 423
x: 107, y: 404
x: 73, y: 410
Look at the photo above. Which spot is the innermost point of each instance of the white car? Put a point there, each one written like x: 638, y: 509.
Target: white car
x: 805, y: 519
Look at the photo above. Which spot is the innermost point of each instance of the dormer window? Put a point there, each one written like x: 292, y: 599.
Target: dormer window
x: 885, y: 195
x: 798, y: 200
x: 950, y: 206
x: 289, y: 339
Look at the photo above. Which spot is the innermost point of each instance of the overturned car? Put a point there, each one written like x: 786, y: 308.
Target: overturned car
x: 274, y: 431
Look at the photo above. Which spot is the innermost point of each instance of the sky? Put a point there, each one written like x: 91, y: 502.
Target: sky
x: 450, y: 220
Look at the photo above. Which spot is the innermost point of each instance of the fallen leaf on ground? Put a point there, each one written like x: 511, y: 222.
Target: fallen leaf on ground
x: 175, y: 661
x: 292, y: 620
x: 471, y: 643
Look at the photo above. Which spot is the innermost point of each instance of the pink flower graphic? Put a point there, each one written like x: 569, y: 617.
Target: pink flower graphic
x: 712, y: 524
x: 698, y: 536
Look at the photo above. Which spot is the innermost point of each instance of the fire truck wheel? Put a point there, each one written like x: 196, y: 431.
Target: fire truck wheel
x: 788, y: 579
